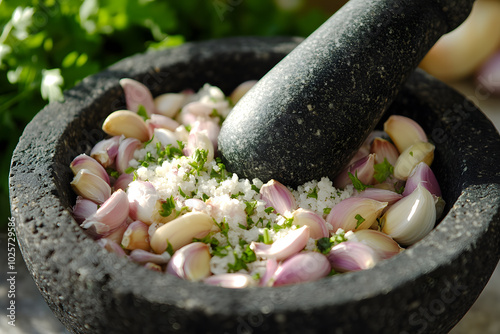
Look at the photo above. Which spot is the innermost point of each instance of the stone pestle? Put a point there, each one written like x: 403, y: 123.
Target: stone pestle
x: 308, y: 116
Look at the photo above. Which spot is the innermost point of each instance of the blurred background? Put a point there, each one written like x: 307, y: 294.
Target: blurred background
x: 48, y: 46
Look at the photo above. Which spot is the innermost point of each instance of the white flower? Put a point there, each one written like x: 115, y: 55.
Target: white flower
x: 4, y: 50
x: 21, y: 20
x: 51, y: 85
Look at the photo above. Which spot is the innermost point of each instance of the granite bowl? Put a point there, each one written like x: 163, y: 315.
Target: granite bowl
x: 427, y: 288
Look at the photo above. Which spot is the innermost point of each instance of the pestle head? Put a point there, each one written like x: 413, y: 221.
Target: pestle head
x: 309, y: 115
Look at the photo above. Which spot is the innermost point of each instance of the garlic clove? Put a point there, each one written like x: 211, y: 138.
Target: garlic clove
x: 383, y: 149
x: 191, y: 262
x: 169, y: 104
x: 83, y: 209
x: 380, y: 242
x: 137, y: 94
x: 153, y: 266
x: 381, y: 195
x: 302, y: 267
x: 271, y: 267
x: 231, y: 280
x: 84, y: 161
x: 316, y: 223
x: 354, y: 213
x: 422, y: 174
x: 284, y: 247
x: 404, y: 132
x: 90, y: 186
x: 111, y: 246
x: 279, y: 197
x: 182, y: 133
x: 165, y: 137
x: 123, y: 181
x: 161, y: 122
x: 194, y: 110
x: 352, y: 256
x: 411, y: 157
x: 181, y: 231
x: 362, y: 168
x: 106, y: 150
x: 199, y: 141
x: 143, y: 199
x: 128, y: 124
x: 141, y: 256
x: 411, y: 218
x: 117, y: 234
x: 209, y: 127
x: 136, y: 236
x: 241, y: 90
x: 113, y: 212
x: 126, y: 153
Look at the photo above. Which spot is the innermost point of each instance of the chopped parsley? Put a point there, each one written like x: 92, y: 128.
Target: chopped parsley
x: 313, y: 193
x: 141, y: 111
x: 167, y: 207
x: 287, y: 224
x: 199, y: 160
x: 221, y: 174
x: 113, y: 173
x: 359, y: 219
x: 250, y: 207
x: 324, y: 245
x: 269, y: 210
x: 170, y: 249
x: 129, y: 170
x: 240, y: 262
x: 383, y: 170
x: 358, y: 185
x: 327, y: 210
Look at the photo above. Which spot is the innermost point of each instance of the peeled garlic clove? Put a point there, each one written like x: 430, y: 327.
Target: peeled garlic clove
x: 302, y: 267
x: 143, y: 200
x: 126, y: 123
x: 136, y: 236
x: 383, y: 149
x: 165, y: 137
x: 231, y: 280
x: 380, y: 242
x: 153, y: 266
x: 355, y: 213
x: 411, y: 157
x: 123, y: 181
x: 412, y: 218
x: 169, y: 104
x: 279, y: 197
x: 352, y: 256
x: 106, y: 150
x: 137, y: 94
x: 362, y: 168
x: 241, y: 90
x: 113, y: 212
x: 90, y: 186
x: 422, y: 174
x: 193, y: 110
x: 83, y: 161
x: 267, y: 278
x: 181, y: 231
x: 404, y: 132
x: 141, y: 256
x: 381, y: 195
x: 284, y: 247
x: 83, y: 209
x: 182, y: 133
x: 199, y: 141
x: 162, y: 122
x: 126, y: 153
x: 316, y: 223
x: 111, y: 246
x: 191, y: 262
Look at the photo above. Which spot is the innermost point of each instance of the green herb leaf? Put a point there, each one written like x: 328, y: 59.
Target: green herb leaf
x: 167, y: 207
x: 170, y: 249
x: 250, y: 207
x: 149, y: 141
x: 141, y: 111
x: 359, y: 219
x: 266, y: 238
x: 358, y: 185
x: 313, y: 193
x: 324, y: 245
x: 269, y: 210
x: 129, y: 170
x: 327, y: 210
x: 383, y: 170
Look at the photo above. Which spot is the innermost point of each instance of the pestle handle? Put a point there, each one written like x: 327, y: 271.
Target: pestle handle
x: 307, y: 117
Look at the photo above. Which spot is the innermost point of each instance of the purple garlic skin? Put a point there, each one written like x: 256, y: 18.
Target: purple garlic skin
x: 302, y: 267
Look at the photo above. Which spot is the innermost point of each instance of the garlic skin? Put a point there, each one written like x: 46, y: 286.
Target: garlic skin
x: 123, y: 181
x: 352, y: 256
x: 191, y: 262
x: 161, y: 122
x: 209, y: 127
x: 231, y: 280
x: 404, y: 132
x: 381, y: 243
x: 381, y: 195
x: 411, y: 157
x: 144, y: 202
x: 284, y: 247
x: 90, y: 186
x: 83, y: 161
x: 268, y: 278
x: 126, y: 153
x: 137, y: 94
x: 141, y: 256
x: 136, y: 236
x: 165, y: 137
x: 343, y: 215
x: 383, y: 149
x: 83, y: 209
x: 422, y: 174
x: 169, y: 104
x: 302, y: 267
x: 106, y: 150
x: 128, y: 124
x: 316, y: 223
x: 181, y: 231
x: 279, y: 197
x: 412, y: 218
x: 241, y: 90
x: 362, y: 168
x: 199, y: 140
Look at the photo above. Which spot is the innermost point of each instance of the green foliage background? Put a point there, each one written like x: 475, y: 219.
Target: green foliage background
x: 81, y: 37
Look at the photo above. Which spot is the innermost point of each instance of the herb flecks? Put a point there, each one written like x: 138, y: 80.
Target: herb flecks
x: 383, y: 170
x: 357, y: 183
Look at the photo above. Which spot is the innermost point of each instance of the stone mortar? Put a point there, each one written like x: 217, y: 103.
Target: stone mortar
x: 427, y: 288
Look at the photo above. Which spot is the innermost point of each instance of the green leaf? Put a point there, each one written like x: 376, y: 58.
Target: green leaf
x: 358, y: 185
x: 141, y: 111
x: 359, y: 219
x: 313, y: 193
x: 327, y: 210
x: 383, y: 170
x: 129, y: 170
x: 167, y: 207
x: 250, y: 207
x: 170, y: 249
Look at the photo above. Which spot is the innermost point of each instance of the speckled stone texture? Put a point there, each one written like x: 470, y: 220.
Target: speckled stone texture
x: 310, y: 114
x: 427, y: 288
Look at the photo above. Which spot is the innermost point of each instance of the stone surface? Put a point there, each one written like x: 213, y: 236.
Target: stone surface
x: 309, y: 115
x: 428, y: 287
